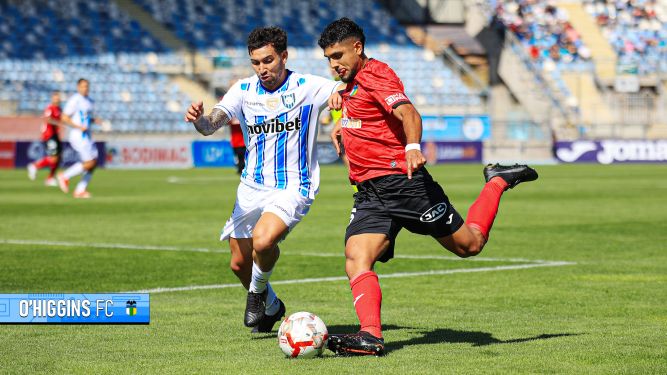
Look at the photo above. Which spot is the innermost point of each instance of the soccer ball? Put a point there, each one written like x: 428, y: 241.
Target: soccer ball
x: 302, y: 335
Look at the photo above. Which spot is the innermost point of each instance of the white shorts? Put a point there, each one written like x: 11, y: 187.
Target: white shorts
x: 252, y: 201
x: 85, y: 147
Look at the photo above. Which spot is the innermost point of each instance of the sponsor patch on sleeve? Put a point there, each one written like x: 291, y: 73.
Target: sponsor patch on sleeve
x: 395, y: 98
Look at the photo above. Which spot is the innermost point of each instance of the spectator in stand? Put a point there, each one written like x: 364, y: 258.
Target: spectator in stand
x: 544, y: 30
x: 636, y: 29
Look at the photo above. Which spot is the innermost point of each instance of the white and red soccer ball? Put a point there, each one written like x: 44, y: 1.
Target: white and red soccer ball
x: 302, y: 335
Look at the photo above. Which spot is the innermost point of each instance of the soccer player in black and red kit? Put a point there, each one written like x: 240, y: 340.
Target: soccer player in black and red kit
x: 51, y: 140
x: 381, y: 131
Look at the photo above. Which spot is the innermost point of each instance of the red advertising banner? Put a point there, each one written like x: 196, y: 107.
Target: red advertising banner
x: 7, y: 154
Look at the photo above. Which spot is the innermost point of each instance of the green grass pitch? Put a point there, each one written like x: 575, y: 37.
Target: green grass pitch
x: 604, y: 313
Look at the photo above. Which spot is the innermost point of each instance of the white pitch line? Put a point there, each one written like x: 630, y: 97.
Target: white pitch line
x: 434, y: 257
x: 107, y: 245
x: 284, y: 253
x: 342, y: 278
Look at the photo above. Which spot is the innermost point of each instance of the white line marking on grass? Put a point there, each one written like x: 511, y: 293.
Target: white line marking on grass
x: 107, y: 246
x: 287, y: 253
x: 343, y: 278
x: 436, y: 257
x: 98, y: 245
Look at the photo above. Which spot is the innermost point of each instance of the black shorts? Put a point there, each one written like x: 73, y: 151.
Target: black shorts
x: 53, y: 147
x: 387, y: 204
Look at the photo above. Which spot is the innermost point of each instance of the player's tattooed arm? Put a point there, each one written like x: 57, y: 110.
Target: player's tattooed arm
x: 206, y: 125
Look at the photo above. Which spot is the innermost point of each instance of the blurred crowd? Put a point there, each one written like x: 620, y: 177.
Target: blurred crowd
x: 543, y: 28
x: 636, y: 29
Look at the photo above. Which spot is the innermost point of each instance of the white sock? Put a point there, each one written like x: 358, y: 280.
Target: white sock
x: 74, y: 170
x: 272, y: 304
x: 83, y: 184
x: 259, y: 279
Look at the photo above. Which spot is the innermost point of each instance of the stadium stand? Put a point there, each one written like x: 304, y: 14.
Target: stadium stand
x: 55, y: 29
x: 57, y: 42
x: 549, y: 38
x: 637, y: 30
x: 227, y: 23
x: 100, y: 43
x: 545, y: 31
x: 222, y: 28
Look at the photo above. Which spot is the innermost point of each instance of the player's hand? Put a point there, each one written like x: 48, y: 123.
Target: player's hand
x: 335, y: 101
x: 195, y: 111
x: 414, y: 160
x: 336, y: 135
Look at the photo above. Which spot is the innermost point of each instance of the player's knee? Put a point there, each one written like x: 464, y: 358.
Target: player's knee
x: 471, y: 250
x: 352, y: 256
x: 262, y: 242
x: 355, y: 261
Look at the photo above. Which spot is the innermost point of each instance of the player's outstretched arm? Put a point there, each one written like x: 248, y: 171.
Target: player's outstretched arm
x: 206, y: 125
x: 412, y: 125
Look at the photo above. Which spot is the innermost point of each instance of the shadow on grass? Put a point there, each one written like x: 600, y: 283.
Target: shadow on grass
x: 444, y: 335
x: 475, y: 338
x: 436, y: 336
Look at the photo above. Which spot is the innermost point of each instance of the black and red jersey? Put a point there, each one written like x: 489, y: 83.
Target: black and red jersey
x: 373, y: 137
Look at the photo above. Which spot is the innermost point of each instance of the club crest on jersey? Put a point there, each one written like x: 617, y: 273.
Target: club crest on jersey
x: 272, y: 103
x: 288, y: 100
x: 274, y: 126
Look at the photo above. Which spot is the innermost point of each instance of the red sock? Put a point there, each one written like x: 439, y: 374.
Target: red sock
x: 367, y: 301
x: 52, y: 171
x: 482, y: 213
x: 43, y: 162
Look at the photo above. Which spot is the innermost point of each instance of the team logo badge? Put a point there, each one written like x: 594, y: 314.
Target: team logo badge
x: 288, y: 100
x: 131, y: 308
x: 272, y: 103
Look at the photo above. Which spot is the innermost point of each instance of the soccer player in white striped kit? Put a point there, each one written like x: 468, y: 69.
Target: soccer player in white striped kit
x: 78, y: 115
x: 278, y: 110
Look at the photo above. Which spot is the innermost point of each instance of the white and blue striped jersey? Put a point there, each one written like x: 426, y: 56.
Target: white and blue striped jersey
x: 280, y: 128
x: 80, y: 109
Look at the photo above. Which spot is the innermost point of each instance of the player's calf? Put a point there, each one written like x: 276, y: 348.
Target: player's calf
x: 242, y: 269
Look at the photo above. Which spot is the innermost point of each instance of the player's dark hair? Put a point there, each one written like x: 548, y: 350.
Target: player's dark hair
x: 339, y: 30
x: 263, y: 36
x: 81, y: 80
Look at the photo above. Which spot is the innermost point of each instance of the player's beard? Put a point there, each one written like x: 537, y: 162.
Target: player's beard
x: 350, y: 75
x: 273, y: 79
